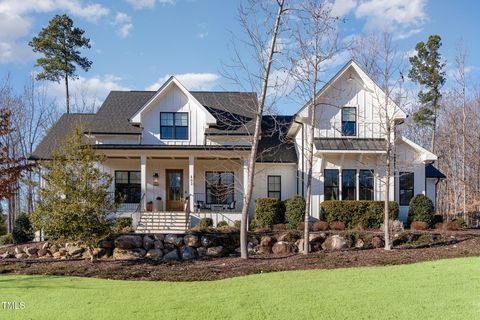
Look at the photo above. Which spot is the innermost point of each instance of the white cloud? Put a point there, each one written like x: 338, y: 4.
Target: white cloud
x: 16, y: 22
x: 192, y: 81
x: 203, y: 35
x: 342, y: 7
x: 124, y: 23
x: 148, y: 4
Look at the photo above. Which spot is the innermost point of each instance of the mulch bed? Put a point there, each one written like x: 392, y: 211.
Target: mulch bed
x: 213, y: 269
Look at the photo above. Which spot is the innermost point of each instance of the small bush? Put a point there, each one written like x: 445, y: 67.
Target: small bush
x: 222, y: 224
x: 320, y: 226
x: 123, y: 224
x: 294, y: 211
x: 279, y: 227
x: 361, y: 214
x: 419, y: 225
x: 205, y: 223
x: 460, y: 221
x: 421, y: 209
x: 267, y: 212
x: 237, y: 224
x: 301, y: 226
x: 6, y: 239
x: 22, y: 229
x: 337, y: 225
x: 3, y: 223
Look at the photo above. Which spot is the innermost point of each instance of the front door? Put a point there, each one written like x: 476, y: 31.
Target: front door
x: 174, y: 183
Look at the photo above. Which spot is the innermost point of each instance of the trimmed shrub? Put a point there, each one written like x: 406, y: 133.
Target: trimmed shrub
x: 320, y: 226
x: 301, y: 226
x: 123, y: 224
x: 237, y: 224
x: 205, y: 223
x: 279, y: 227
x: 6, y: 239
x: 360, y: 214
x: 460, y: 221
x: 421, y: 209
x: 294, y: 211
x: 419, y: 225
x: 22, y: 229
x: 222, y: 224
x: 337, y: 225
x: 267, y: 212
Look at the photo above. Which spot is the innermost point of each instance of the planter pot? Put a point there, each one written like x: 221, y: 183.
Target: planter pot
x: 149, y: 206
x: 158, y: 205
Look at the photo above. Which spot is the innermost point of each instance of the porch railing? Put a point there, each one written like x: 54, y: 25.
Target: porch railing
x: 226, y: 211
x: 137, y: 214
x: 365, y: 130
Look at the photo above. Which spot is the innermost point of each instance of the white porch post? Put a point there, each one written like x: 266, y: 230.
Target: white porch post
x: 143, y: 179
x: 357, y: 184
x: 191, y: 182
x: 245, y: 180
x: 340, y: 182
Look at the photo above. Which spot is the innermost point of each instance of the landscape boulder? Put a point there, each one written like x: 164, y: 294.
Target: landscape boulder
x: 215, y: 251
x: 75, y: 251
x: 282, y: 248
x: 30, y: 251
x: 189, y: 253
x: 359, y: 244
x: 335, y: 242
x: 173, y: 239
x: 377, y: 242
x: 158, y: 244
x: 148, y: 243
x: 20, y: 255
x: 192, y: 240
x: 317, y: 237
x: 42, y: 252
x: 266, y: 241
x: 208, y: 241
x: 107, y: 244
x: 128, y: 242
x: 172, y: 255
x: 132, y: 254
x: 154, y: 254
x: 300, y: 244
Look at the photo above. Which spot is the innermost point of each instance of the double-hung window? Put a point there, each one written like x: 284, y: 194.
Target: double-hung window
x: 349, y: 184
x: 174, y: 125
x: 406, y: 182
x: 128, y: 186
x: 274, y: 186
x: 349, y: 121
x: 330, y: 187
x: 366, y: 184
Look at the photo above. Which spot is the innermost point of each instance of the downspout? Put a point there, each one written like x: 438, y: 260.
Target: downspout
x: 303, y: 159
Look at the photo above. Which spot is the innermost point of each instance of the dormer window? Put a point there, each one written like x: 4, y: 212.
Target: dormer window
x: 349, y: 121
x: 174, y: 125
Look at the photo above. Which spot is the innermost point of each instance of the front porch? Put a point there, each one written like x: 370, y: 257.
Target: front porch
x: 172, y: 194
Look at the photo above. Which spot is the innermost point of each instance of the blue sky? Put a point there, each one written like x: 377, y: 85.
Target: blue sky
x: 138, y: 44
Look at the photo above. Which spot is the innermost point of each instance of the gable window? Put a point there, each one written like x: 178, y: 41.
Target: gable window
x: 349, y: 184
x: 366, y: 184
x: 219, y: 187
x: 174, y: 125
x: 274, y: 187
x: 128, y: 186
x: 406, y: 187
x: 330, y: 187
x: 349, y: 121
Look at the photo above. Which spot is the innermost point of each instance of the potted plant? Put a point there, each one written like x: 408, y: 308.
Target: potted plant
x: 149, y: 206
x: 158, y: 204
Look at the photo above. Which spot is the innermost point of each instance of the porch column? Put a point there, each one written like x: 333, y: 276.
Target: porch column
x: 357, y: 184
x: 143, y: 180
x: 340, y: 182
x: 191, y: 182
x: 246, y: 162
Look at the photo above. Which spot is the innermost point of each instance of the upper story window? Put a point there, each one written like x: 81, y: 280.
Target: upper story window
x: 349, y: 121
x: 174, y: 125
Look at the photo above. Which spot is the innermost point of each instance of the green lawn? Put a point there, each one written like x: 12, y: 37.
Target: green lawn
x: 445, y: 289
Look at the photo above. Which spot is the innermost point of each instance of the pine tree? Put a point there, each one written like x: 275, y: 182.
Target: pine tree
x: 427, y: 70
x: 75, y: 202
x: 59, y: 43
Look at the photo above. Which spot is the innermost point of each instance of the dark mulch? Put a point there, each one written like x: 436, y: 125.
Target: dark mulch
x: 202, y: 270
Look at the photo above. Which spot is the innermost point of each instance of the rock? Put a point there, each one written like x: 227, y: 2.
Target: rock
x: 6, y: 255
x: 262, y: 250
x: 208, y: 241
x: 173, y: 239
x: 266, y: 241
x: 202, y: 251
x: 335, y: 242
x: 171, y: 256
x: 215, y: 251
x: 56, y: 254
x: 98, y: 253
x: 289, y: 236
x: 253, y: 240
x: 148, y: 243
x: 359, y: 244
x: 18, y: 250
x: 20, y: 255
x: 300, y: 245
x: 191, y: 240
x: 317, y: 237
x: 159, y: 237
x: 189, y: 253
x: 63, y: 251
x: 377, y: 242
x: 315, y: 246
x: 42, y: 252
x: 53, y: 248
x: 158, y: 244
x: 46, y: 245
x: 30, y: 251
x: 154, y: 254
x: 107, y: 244
x: 128, y: 242
x: 75, y: 251
x: 282, y: 248
x: 122, y: 254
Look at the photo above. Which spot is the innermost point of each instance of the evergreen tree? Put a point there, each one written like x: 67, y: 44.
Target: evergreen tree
x: 427, y: 70
x: 75, y: 202
x: 59, y: 43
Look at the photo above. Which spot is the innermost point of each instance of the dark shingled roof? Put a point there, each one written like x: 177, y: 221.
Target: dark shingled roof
x: 432, y: 172
x: 349, y: 144
x: 56, y: 135
x: 275, y: 146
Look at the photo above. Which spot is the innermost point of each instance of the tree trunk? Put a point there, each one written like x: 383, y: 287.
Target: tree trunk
x: 67, y: 95
x: 256, y: 137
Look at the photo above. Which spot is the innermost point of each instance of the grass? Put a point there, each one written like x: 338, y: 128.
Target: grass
x: 443, y: 289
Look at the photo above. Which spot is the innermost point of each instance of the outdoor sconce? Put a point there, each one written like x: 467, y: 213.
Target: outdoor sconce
x: 155, y: 179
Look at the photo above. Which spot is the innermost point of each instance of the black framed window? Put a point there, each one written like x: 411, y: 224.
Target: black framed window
x: 219, y: 187
x: 366, y: 183
x: 174, y: 125
x: 274, y: 187
x: 128, y: 186
x: 406, y: 182
x: 349, y: 184
x: 349, y: 121
x: 330, y: 186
